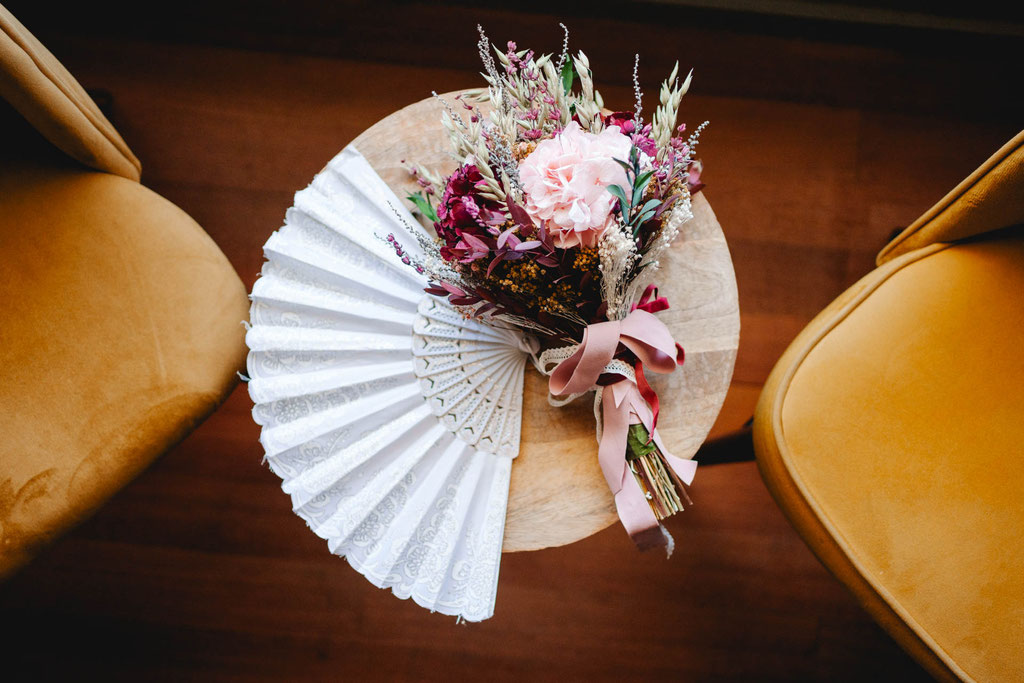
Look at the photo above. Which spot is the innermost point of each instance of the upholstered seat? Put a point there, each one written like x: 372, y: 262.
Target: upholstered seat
x: 892, y: 431
x: 119, y: 317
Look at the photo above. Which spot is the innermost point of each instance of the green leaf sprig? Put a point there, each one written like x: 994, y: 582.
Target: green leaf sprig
x: 634, y: 215
x: 423, y: 205
x: 638, y: 442
x: 568, y: 76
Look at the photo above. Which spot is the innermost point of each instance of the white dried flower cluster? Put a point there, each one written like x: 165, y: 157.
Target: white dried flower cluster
x: 680, y: 213
x: 618, y: 254
x: 691, y: 142
x: 565, y: 49
x: 638, y: 93
x: 651, y: 262
x: 484, y: 46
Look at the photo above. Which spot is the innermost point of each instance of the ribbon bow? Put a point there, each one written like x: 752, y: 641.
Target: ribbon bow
x: 625, y: 401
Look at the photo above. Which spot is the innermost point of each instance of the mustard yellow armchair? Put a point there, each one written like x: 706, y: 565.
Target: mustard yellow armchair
x: 119, y: 317
x: 892, y: 431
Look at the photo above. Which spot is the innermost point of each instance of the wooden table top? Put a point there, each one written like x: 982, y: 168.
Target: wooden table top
x: 558, y: 494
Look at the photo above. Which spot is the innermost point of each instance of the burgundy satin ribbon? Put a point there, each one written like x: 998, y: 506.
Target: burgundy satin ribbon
x: 623, y: 403
x: 652, y: 303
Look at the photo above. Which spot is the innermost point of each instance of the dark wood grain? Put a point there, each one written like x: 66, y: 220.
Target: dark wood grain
x: 199, y: 570
x: 748, y: 53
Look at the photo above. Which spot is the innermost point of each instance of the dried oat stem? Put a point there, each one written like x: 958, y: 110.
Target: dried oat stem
x: 660, y: 486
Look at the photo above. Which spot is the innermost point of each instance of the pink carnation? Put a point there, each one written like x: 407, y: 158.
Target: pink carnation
x: 566, y: 179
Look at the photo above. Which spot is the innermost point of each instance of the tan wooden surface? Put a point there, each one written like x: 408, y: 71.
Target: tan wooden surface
x: 558, y: 494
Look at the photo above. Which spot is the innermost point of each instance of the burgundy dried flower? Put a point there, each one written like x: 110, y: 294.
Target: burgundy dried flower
x: 622, y: 119
x: 466, y: 221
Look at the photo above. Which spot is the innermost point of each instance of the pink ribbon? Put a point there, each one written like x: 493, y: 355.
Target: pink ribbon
x: 623, y: 403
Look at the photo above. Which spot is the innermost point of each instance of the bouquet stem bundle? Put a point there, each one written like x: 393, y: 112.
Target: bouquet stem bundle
x: 660, y: 485
x: 662, y: 488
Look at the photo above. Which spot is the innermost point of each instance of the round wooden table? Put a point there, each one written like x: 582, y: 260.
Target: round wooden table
x: 558, y: 494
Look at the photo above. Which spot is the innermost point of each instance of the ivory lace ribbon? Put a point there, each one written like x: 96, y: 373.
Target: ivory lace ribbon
x: 619, y: 403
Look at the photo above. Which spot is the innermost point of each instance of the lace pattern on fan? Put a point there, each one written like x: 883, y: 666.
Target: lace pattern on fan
x: 471, y: 375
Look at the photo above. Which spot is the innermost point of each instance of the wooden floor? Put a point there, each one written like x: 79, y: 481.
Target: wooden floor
x: 199, y: 570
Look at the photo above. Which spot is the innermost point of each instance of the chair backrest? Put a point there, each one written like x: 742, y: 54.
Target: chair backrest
x: 989, y: 199
x: 39, y: 88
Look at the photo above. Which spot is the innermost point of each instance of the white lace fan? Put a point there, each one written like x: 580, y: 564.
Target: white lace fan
x: 391, y: 419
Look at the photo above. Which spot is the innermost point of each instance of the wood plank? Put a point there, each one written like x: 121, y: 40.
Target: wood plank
x: 745, y: 54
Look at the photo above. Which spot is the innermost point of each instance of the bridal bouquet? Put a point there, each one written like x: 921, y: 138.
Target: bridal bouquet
x: 554, y: 223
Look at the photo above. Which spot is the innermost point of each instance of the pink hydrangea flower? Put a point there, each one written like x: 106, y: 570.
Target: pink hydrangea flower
x: 565, y: 181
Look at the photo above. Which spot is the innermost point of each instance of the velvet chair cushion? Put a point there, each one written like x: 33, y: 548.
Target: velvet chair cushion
x: 891, y: 435
x: 121, y: 330
x: 48, y: 97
